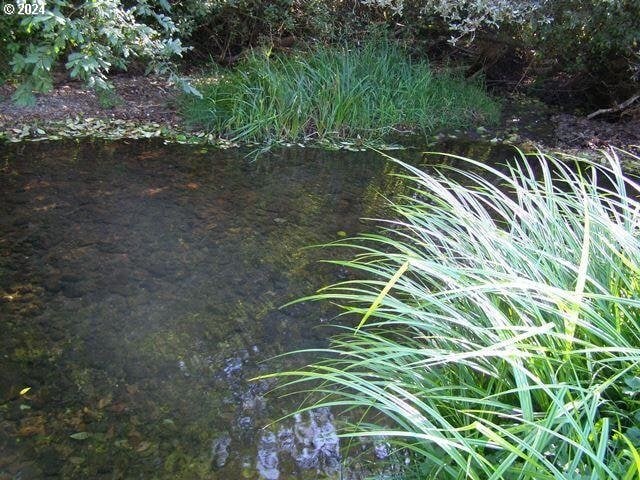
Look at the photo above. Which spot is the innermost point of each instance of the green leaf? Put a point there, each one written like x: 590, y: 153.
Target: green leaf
x: 376, y: 303
x: 23, y: 96
x: 79, y: 436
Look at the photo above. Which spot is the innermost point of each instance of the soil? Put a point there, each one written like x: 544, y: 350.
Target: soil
x: 572, y: 131
x: 138, y: 98
x: 149, y: 99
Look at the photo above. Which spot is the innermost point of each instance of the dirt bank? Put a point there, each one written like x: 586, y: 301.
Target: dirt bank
x: 146, y: 106
x: 144, y: 99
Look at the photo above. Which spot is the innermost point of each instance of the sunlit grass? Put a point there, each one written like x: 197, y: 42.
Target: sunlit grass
x: 495, y: 330
x: 331, y: 94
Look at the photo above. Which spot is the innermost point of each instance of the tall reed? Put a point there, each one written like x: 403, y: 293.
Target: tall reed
x: 496, y: 329
x: 332, y: 94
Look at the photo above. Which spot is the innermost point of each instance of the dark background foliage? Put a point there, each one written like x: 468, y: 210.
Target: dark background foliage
x: 577, y: 52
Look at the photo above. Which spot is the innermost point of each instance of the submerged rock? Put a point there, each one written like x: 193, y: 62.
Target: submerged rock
x: 286, y: 441
x: 381, y: 450
x: 307, y: 459
x: 267, y: 458
x: 233, y: 366
x: 245, y: 425
x: 220, y: 450
x: 325, y: 441
x: 312, y: 443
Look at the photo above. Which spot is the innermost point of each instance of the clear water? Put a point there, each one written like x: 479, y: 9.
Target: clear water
x: 140, y: 290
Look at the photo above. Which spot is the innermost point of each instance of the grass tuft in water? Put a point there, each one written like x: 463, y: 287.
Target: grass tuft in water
x: 497, y: 329
x: 333, y: 94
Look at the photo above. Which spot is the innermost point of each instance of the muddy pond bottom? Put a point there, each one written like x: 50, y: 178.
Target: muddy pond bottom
x: 140, y: 290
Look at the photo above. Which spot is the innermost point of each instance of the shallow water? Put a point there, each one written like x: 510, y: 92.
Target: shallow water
x: 140, y: 287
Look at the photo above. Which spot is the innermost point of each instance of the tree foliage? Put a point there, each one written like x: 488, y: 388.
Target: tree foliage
x: 593, y: 41
x: 596, y: 42
x: 222, y: 28
x: 92, y: 38
x: 465, y: 17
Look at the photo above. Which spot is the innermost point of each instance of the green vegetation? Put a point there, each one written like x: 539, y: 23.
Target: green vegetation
x: 590, y: 48
x: 595, y: 44
x: 499, y: 330
x: 335, y: 93
x: 221, y: 28
x: 91, y: 39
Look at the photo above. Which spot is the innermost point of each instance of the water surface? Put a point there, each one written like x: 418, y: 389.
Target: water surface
x: 140, y: 287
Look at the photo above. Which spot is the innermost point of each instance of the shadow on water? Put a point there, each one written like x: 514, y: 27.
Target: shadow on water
x: 140, y: 287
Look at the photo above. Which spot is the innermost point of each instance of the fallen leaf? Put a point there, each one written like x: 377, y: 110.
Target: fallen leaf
x: 132, y: 389
x: 118, y: 407
x: 143, y: 446
x: 104, y: 401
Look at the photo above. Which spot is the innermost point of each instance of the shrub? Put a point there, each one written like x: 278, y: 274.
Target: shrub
x: 499, y: 326
x: 331, y: 93
x: 596, y: 42
x: 93, y: 37
x: 222, y: 29
x: 465, y: 17
x: 592, y: 46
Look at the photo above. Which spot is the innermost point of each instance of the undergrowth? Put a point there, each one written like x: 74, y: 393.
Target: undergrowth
x: 363, y: 92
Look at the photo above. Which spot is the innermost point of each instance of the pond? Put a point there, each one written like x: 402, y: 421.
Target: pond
x: 141, y: 288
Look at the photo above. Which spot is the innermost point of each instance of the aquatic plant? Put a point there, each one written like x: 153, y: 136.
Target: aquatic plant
x: 331, y: 93
x: 496, y: 328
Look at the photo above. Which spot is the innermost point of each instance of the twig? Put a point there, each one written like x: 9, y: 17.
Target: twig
x: 617, y: 108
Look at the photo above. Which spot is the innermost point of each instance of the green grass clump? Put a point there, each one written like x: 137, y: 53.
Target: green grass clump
x: 498, y: 327
x: 332, y: 94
